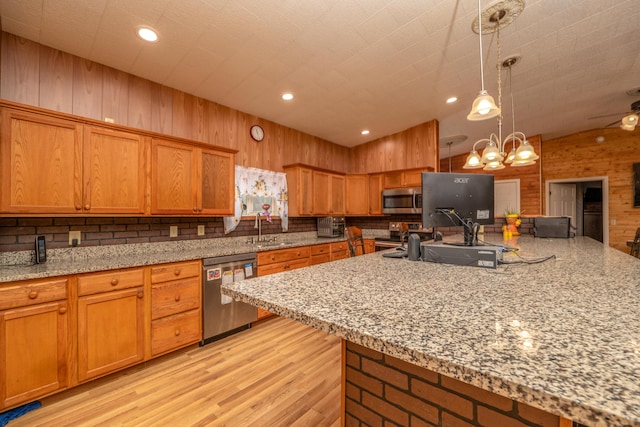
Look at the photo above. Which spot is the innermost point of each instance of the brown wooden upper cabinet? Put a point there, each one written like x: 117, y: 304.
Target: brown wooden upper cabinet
x: 188, y: 179
x: 404, y: 178
x: 300, y: 190
x: 328, y: 193
x: 376, y: 182
x: 357, y: 194
x: 57, y: 166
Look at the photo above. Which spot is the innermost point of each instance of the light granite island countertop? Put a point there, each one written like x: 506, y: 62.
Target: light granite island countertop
x: 561, y: 335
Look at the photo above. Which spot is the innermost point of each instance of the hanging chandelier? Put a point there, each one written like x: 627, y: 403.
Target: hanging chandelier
x: 495, y: 156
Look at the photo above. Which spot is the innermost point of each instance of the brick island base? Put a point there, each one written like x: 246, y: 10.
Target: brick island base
x: 380, y: 390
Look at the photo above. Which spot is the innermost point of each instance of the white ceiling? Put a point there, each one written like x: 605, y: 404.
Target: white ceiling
x: 382, y: 65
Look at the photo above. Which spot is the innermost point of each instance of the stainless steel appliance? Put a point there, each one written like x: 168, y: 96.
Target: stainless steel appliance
x: 397, y: 237
x: 331, y: 226
x: 402, y: 200
x: 222, y: 315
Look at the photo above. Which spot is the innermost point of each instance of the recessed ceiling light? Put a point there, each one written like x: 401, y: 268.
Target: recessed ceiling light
x: 147, y: 34
x: 287, y: 96
x: 365, y: 132
x: 452, y: 99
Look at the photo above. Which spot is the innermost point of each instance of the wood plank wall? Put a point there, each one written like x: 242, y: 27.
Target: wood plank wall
x: 530, y: 178
x: 581, y: 156
x: 412, y: 148
x: 38, y: 75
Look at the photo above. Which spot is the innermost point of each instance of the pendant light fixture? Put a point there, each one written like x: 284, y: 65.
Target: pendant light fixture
x: 483, y: 107
x: 494, y: 156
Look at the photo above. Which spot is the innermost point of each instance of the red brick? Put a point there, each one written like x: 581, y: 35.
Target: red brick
x: 351, y: 422
x: 476, y: 393
x: 411, y: 404
x: 34, y: 222
x: 417, y: 422
x: 124, y: 234
x: 110, y: 227
x: 387, y: 375
x: 364, y: 382
x: 443, y: 398
x: 363, y: 414
x: 390, y: 424
x: 385, y: 409
x: 449, y: 420
x: 352, y: 392
x: 364, y: 351
x: 490, y: 418
x: 353, y: 359
x: 411, y: 369
x: 537, y: 416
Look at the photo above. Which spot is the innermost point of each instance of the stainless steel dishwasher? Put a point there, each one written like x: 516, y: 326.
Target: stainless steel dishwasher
x: 222, y: 315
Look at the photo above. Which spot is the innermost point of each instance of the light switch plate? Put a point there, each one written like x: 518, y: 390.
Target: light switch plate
x: 200, y: 230
x: 74, y: 235
x: 173, y: 231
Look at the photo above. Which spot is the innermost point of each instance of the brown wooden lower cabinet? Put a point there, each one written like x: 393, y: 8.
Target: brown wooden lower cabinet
x: 110, y: 322
x: 339, y: 250
x: 176, y: 301
x: 34, y: 341
x: 320, y: 253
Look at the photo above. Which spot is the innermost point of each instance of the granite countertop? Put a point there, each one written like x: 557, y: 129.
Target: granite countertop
x: 62, y: 262
x: 562, y: 335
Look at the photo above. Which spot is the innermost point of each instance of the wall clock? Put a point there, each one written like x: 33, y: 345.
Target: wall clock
x: 257, y: 133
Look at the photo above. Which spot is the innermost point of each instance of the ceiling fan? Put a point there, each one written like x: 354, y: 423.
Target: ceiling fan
x: 630, y: 119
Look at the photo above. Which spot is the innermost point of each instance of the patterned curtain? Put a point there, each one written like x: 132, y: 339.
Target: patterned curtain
x: 255, y: 189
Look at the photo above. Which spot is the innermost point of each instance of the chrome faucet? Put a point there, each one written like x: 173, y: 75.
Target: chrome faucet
x: 259, y: 226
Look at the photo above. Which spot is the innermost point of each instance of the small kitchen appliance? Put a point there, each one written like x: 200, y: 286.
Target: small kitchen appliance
x: 331, y: 226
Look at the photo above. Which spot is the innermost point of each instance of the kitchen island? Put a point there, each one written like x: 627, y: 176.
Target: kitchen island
x: 562, y: 335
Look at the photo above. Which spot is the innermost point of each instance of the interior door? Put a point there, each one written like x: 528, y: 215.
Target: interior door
x: 562, y: 200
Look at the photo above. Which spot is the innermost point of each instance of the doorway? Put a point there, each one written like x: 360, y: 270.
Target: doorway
x: 585, y: 200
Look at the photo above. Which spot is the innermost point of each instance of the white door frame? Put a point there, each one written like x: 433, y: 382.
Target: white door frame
x: 605, y: 199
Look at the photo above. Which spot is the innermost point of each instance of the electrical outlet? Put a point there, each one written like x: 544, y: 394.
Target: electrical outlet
x: 200, y: 230
x: 173, y: 231
x: 74, y: 235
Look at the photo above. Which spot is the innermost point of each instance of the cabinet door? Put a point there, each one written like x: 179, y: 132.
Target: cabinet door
x: 40, y: 164
x: 413, y: 178
x: 375, y: 194
x: 357, y: 194
x: 305, y: 195
x: 217, y: 183
x: 114, y: 171
x: 393, y: 180
x: 110, y: 332
x: 321, y: 193
x: 33, y: 352
x: 173, y: 178
x: 336, y: 194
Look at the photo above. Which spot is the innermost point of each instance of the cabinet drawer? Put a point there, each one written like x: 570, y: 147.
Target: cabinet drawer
x: 113, y: 280
x: 319, y: 259
x: 175, y: 331
x: 282, y: 255
x: 164, y: 273
x: 175, y: 297
x: 320, y: 249
x: 28, y: 293
x: 339, y: 247
x: 282, y: 266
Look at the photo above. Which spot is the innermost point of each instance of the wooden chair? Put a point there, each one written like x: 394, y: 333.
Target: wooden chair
x: 354, y: 239
x: 635, y: 246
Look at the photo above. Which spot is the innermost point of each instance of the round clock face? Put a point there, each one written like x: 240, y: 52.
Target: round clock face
x: 257, y: 133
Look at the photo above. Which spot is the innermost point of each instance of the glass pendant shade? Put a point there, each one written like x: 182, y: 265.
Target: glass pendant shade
x: 491, y: 153
x: 493, y: 165
x: 525, y: 152
x: 523, y: 162
x: 630, y: 120
x: 630, y: 128
x: 511, y: 157
x: 473, y: 161
x: 484, y: 107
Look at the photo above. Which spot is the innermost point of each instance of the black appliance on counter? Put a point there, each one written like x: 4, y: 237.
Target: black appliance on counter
x: 397, y: 237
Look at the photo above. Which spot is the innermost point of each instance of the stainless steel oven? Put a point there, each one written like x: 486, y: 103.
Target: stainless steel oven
x: 402, y: 200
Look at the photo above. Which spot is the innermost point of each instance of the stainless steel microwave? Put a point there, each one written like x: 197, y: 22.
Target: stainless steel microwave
x: 402, y: 200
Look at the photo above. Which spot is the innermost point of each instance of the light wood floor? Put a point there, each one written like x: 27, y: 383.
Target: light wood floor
x: 279, y: 373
